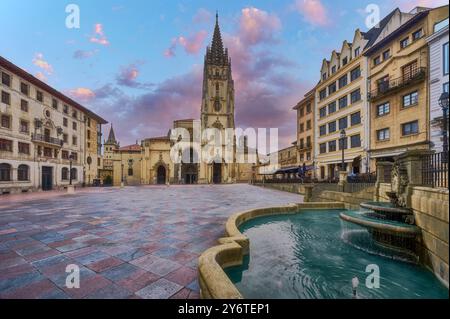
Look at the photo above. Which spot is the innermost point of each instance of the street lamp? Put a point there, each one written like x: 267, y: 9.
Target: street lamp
x: 71, y: 158
x: 343, y: 137
x: 443, y: 103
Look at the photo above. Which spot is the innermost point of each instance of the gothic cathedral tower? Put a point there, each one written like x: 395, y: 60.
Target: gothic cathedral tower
x: 217, y: 110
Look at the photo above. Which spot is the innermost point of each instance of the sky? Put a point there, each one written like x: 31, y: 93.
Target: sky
x: 139, y: 63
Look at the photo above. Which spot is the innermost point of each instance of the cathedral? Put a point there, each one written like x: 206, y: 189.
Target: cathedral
x: 150, y: 162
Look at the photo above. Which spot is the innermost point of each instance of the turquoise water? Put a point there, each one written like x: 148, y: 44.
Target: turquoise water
x: 304, y: 256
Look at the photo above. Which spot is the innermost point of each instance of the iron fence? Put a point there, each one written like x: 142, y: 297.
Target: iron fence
x: 435, y: 170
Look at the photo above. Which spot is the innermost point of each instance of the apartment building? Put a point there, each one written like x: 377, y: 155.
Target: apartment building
x: 41, y: 132
x: 305, y: 129
x: 398, y: 84
x: 438, y: 79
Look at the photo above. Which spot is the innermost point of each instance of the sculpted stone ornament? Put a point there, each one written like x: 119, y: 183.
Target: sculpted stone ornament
x: 399, y: 183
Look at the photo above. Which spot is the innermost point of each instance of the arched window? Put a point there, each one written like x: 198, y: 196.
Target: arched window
x: 5, y: 172
x: 64, y: 173
x: 130, y: 172
x: 23, y: 173
x: 74, y: 174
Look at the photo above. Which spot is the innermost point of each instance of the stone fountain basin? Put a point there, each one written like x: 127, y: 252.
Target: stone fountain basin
x: 385, y: 207
x: 386, y: 226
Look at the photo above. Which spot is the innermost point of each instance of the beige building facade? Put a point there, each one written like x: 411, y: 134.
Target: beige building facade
x: 305, y: 129
x: 41, y: 129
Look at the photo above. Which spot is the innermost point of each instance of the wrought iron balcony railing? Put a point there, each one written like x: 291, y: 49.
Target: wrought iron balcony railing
x: 390, y: 86
x: 47, y: 139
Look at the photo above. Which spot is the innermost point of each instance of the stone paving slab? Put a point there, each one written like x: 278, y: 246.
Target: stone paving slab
x: 137, y: 242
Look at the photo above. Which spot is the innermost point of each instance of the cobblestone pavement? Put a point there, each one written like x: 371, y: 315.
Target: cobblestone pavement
x: 137, y: 242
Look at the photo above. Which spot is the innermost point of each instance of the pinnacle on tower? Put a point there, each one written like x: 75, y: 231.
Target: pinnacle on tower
x: 111, y: 137
x: 216, y: 54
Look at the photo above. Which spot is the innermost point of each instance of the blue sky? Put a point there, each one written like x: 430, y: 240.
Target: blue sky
x: 139, y: 63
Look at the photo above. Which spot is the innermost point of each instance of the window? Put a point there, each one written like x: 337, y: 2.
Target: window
x: 355, y: 74
x: 383, y: 135
x: 308, y: 108
x: 24, y: 127
x: 343, y: 123
x: 22, y: 173
x: 332, y: 127
x: 383, y: 84
x: 355, y: 118
x: 332, y: 146
x: 302, y: 111
x: 130, y: 172
x: 357, y: 51
x: 308, y: 141
x: 74, y: 114
x: 65, y: 122
x: 24, y: 148
x: 302, y: 157
x: 404, y: 43
x: 48, y: 152
x: 445, y: 58
x: 386, y: 55
x: 343, y: 81
x: 332, y: 107
x: 5, y: 172
x: 74, y: 174
x: 64, y: 174
x: 417, y: 35
x: 383, y: 109
x: 89, y: 122
x: 6, y: 79
x: 65, y: 155
x: 74, y: 126
x: 24, y: 88
x: 24, y: 105
x: 344, y: 61
x: 308, y: 124
x: 323, y: 94
x: 39, y: 96
x: 409, y: 71
x: 355, y: 141
x: 323, y: 148
x: 6, y: 121
x: 323, y: 130
x: 323, y: 112
x: 302, y: 144
x: 6, y: 98
x: 88, y: 134
x: 302, y: 128
x: 355, y: 96
x: 5, y: 145
x: 333, y: 69
x: 343, y: 102
x: 410, y: 128
x: 324, y: 76
x: 308, y: 156
x: 75, y: 156
x: 411, y: 99
x: 376, y: 60
x: 65, y: 138
x: 445, y: 87
x: 55, y: 103
x: 332, y: 88
x: 74, y: 140
x: 66, y: 109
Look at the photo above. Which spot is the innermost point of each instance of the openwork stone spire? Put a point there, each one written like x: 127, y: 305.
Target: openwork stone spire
x: 111, y: 137
x: 216, y: 53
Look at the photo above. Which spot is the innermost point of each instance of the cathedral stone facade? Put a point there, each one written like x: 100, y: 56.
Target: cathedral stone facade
x: 150, y: 161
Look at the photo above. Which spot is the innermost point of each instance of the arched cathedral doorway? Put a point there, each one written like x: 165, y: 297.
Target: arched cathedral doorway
x: 161, y: 175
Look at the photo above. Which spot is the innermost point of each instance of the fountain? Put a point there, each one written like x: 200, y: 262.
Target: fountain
x: 391, y: 225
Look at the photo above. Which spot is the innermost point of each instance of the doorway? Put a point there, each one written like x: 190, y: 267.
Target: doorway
x: 161, y: 175
x: 47, y: 178
x: 217, y: 173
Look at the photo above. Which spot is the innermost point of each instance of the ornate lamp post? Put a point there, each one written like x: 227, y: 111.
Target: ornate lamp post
x: 342, y: 138
x: 443, y: 103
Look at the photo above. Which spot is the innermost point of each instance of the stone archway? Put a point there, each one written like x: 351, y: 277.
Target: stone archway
x: 217, y: 173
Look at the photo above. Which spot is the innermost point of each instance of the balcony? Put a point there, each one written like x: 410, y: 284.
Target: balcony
x: 39, y: 138
x: 388, y: 87
x: 306, y: 146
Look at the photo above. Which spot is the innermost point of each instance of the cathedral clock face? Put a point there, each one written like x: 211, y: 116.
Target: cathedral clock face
x: 217, y: 106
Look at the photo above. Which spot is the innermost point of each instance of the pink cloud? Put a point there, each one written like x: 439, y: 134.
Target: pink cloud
x: 314, y: 12
x: 128, y: 77
x: 99, y: 35
x: 40, y: 62
x: 202, y: 16
x: 192, y: 44
x: 82, y: 94
x: 257, y: 25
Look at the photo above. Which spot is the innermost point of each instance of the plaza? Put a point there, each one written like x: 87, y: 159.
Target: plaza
x: 136, y: 242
